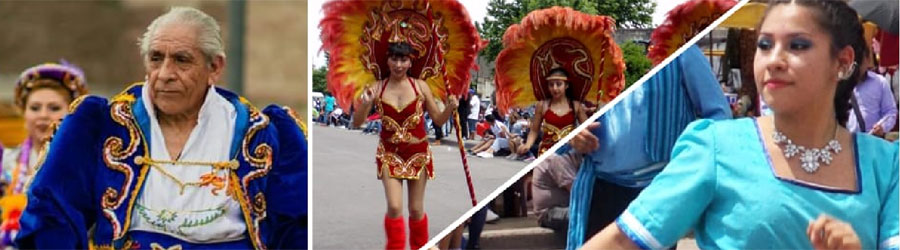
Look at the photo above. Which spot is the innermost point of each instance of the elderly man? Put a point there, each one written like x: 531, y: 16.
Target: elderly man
x: 174, y: 162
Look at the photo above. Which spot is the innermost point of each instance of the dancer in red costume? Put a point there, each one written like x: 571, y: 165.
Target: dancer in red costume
x: 400, y: 57
x: 556, y: 117
x: 572, y: 62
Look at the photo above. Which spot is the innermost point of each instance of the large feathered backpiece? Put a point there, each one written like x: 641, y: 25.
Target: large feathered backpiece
x: 356, y: 35
x: 580, y: 43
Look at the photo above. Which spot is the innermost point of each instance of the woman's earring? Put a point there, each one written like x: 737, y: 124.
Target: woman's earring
x: 844, y: 75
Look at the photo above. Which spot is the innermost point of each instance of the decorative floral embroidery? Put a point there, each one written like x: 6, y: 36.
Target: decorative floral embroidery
x: 175, y: 221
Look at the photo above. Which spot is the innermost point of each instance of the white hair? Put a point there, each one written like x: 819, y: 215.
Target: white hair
x: 209, y: 37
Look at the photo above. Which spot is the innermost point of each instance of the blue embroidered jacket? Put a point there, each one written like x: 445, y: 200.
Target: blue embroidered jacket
x: 84, y: 193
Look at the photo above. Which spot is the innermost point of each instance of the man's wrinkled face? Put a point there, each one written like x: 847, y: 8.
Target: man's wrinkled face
x: 178, y: 74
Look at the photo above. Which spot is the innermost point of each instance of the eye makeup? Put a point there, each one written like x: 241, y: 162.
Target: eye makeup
x: 764, y: 43
x: 798, y: 43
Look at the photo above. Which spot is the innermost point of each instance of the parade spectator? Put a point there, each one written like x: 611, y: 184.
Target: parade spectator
x: 499, y: 145
x: 463, y: 113
x: 551, y: 187
x: 876, y: 105
x: 329, y: 107
x: 474, y: 112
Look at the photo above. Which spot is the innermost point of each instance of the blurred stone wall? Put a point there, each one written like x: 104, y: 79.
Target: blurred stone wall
x: 275, y: 56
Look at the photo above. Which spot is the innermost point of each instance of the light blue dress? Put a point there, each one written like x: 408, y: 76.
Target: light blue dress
x: 721, y: 184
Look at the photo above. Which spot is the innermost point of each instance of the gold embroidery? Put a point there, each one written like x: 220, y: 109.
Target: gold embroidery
x: 262, y: 154
x: 77, y: 102
x: 208, y: 179
x: 261, y: 159
x: 556, y: 134
x: 114, y: 153
x: 128, y: 244
x: 259, y: 204
x: 252, y: 224
x: 399, y: 168
x: 402, y: 134
x: 299, y: 122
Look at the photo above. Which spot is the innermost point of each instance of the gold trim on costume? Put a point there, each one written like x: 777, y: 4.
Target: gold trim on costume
x: 260, y: 159
x: 299, y: 122
x: 114, y: 153
x: 410, y: 168
x: 403, y: 134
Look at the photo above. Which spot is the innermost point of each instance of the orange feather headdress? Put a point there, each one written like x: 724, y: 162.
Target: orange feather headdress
x: 581, y: 44
x: 683, y: 23
x: 356, y: 35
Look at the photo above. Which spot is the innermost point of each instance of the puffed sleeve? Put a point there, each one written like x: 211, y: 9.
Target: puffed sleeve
x: 61, y: 195
x: 668, y: 208
x: 703, y: 89
x: 286, y: 189
x: 888, y: 217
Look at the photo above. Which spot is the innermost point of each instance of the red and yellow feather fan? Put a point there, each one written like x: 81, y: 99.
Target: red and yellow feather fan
x: 559, y: 37
x: 683, y: 23
x: 356, y: 35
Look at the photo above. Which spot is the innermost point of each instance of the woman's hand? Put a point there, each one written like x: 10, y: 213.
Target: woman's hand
x: 585, y: 141
x: 452, y: 103
x: 523, y: 149
x: 830, y: 233
x: 367, y: 96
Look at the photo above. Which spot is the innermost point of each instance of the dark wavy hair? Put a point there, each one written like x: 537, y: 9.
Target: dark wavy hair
x: 840, y: 21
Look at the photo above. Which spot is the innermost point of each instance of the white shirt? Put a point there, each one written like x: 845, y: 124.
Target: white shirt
x: 200, y: 216
x: 475, y: 107
x: 11, y: 159
x: 498, y: 129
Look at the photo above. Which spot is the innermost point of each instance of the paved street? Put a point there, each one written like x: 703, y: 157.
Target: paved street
x: 349, y: 202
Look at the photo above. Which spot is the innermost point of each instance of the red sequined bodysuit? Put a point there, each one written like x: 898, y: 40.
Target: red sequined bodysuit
x: 403, y: 147
x: 555, y: 127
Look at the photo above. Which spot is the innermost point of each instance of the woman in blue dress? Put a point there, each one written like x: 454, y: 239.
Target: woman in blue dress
x: 795, y: 180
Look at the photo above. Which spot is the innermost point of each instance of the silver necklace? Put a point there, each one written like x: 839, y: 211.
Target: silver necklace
x: 809, y: 157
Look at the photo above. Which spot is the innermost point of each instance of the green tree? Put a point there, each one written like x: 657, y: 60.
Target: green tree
x: 500, y: 15
x: 503, y: 13
x: 629, y: 14
x: 636, y: 62
x: 319, y: 79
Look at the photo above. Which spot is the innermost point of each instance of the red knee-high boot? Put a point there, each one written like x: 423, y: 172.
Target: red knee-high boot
x: 418, y: 232
x: 396, y: 233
